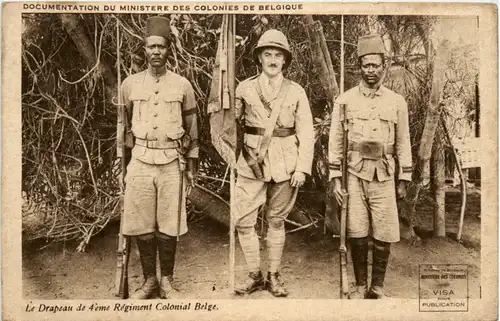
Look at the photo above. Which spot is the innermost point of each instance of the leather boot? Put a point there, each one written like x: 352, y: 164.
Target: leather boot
x: 167, y: 291
x: 376, y: 292
x: 274, y: 285
x: 167, y: 246
x: 381, y: 252
x: 359, y: 254
x: 254, y: 282
x: 147, y: 251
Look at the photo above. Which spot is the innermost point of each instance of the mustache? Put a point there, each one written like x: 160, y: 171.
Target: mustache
x: 272, y: 65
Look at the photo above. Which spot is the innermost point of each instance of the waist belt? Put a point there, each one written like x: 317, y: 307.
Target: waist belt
x: 157, y: 144
x: 371, y: 149
x: 277, y: 132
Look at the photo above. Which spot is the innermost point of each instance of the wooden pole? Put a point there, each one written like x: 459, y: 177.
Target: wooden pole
x: 342, y: 54
x: 231, y: 25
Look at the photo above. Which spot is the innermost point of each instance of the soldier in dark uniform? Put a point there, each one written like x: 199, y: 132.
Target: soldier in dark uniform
x: 378, y: 133
x: 161, y: 109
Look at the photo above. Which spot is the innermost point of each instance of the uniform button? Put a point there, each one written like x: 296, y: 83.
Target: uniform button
x: 374, y: 129
x: 155, y: 127
x: 157, y: 80
x: 156, y: 103
x: 155, y: 115
x: 156, y: 92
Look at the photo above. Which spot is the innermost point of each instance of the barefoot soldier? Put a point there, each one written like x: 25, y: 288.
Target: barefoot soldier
x: 378, y: 132
x: 277, y: 153
x: 161, y: 109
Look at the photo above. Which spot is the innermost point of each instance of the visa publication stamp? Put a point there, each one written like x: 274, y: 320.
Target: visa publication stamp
x: 443, y: 288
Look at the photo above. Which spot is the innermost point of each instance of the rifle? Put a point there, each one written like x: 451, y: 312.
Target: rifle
x: 344, y: 284
x: 123, y: 252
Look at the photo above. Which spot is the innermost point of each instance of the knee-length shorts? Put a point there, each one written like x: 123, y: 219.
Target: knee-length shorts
x: 372, y: 205
x: 152, y: 199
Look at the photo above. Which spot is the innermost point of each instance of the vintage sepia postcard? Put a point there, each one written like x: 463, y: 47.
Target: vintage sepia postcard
x: 249, y: 161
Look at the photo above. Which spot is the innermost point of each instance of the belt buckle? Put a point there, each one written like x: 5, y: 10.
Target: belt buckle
x: 152, y: 144
x: 372, y: 150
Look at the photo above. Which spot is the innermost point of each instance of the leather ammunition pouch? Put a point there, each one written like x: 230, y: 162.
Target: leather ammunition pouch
x: 129, y: 139
x: 183, y: 144
x: 371, y: 149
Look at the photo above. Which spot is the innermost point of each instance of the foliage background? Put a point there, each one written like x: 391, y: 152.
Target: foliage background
x: 70, y: 169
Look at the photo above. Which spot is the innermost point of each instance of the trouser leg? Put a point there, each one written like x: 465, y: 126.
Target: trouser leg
x: 249, y: 195
x: 281, y: 198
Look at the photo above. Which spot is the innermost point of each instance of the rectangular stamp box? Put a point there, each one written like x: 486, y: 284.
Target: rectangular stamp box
x: 443, y: 288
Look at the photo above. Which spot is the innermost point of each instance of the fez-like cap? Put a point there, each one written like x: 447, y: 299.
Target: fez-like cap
x: 370, y: 44
x: 158, y: 26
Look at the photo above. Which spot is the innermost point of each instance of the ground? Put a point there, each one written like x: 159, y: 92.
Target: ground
x: 310, y: 263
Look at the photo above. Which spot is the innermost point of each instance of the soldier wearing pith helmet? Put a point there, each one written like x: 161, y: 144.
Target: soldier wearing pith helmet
x: 378, y: 133
x: 276, y: 156
x: 161, y: 109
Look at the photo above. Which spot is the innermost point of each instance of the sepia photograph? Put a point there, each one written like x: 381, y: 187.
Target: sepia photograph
x: 196, y: 157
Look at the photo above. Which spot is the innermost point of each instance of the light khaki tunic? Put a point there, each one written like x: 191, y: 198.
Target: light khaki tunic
x: 381, y: 116
x: 163, y: 108
x: 285, y: 155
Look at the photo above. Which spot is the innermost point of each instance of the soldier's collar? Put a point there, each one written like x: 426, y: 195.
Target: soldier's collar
x: 278, y: 80
x: 155, y: 74
x: 367, y: 92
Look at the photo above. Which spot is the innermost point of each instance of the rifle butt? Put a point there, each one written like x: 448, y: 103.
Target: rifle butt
x: 123, y: 289
x: 344, y: 282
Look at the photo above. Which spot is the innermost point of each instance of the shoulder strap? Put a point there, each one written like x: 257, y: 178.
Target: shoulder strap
x: 275, y: 107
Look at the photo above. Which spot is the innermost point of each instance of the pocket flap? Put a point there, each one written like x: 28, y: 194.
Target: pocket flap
x: 137, y: 95
x: 252, y: 141
x: 359, y: 114
x: 389, y: 115
x: 172, y: 97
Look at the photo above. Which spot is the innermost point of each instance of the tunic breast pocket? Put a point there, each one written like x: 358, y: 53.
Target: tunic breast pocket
x: 140, y: 102
x: 287, y: 115
x: 173, y: 107
x: 358, y: 123
x: 254, y: 112
x: 388, y: 120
